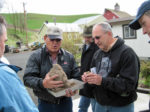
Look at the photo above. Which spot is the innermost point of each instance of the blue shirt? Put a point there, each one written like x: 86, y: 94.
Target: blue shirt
x: 13, y: 95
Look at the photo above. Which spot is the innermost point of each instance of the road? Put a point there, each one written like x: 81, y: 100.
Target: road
x: 20, y: 59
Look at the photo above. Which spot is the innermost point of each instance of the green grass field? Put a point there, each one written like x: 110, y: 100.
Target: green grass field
x: 35, y: 21
x: 12, y: 39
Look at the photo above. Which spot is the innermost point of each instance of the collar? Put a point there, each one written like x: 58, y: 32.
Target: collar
x: 13, y: 67
x: 60, y: 52
x: 112, y: 44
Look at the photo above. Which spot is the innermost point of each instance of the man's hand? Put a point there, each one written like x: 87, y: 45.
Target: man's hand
x: 49, y: 82
x: 70, y: 93
x: 92, y: 78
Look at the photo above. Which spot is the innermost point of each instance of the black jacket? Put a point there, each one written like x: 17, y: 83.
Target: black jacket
x: 120, y: 69
x: 39, y: 65
x: 86, y: 57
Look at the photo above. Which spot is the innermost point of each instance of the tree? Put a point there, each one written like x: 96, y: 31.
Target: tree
x: 18, y: 23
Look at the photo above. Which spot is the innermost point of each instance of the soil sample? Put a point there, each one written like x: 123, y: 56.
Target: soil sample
x: 57, y: 70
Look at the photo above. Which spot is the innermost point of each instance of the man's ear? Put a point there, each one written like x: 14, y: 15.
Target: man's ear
x: 45, y: 37
x: 110, y: 34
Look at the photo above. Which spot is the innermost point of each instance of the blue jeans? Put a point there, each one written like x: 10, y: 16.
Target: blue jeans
x: 64, y: 106
x: 93, y: 102
x: 84, y: 104
x: 149, y: 105
x: 100, y: 108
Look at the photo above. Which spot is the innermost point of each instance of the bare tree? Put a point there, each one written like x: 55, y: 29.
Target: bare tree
x: 17, y: 23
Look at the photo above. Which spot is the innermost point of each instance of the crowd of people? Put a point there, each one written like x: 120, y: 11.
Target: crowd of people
x: 109, y: 69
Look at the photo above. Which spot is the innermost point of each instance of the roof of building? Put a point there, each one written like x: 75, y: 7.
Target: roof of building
x: 90, y: 20
x: 85, y: 20
x: 120, y: 14
x: 130, y: 18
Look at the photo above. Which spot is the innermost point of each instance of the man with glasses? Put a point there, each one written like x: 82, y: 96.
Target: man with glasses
x: 37, y: 77
x: 117, y: 72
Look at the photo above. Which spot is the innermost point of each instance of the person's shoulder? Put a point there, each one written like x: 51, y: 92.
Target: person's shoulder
x: 94, y: 45
x: 2, y: 66
x: 65, y: 52
x: 128, y: 51
x: 5, y: 60
x: 128, y: 48
x: 97, y: 53
x: 4, y: 69
x: 36, y: 53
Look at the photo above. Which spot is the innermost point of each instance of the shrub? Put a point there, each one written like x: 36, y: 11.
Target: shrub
x: 72, y: 45
x: 145, y: 74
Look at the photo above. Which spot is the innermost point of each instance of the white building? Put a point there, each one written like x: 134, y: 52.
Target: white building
x: 135, y: 39
x: 69, y: 29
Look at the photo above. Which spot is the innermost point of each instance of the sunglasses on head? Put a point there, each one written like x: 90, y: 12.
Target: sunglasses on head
x: 57, y: 40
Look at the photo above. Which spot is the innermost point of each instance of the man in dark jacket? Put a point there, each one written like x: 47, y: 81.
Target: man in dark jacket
x: 142, y: 20
x: 37, y: 75
x: 117, y: 72
x: 88, y: 51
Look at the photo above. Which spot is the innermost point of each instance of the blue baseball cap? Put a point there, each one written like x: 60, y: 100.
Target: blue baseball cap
x: 145, y: 6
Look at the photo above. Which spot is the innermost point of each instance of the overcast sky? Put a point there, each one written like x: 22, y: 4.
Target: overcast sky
x: 70, y: 7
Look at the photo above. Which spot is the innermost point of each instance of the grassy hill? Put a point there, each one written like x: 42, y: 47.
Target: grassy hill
x: 35, y: 21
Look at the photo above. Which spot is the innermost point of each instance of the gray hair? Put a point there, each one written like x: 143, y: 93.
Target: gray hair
x: 106, y: 27
x: 147, y: 13
x: 2, y: 25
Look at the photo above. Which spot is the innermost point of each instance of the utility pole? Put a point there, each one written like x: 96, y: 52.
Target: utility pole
x: 54, y: 19
x: 25, y: 24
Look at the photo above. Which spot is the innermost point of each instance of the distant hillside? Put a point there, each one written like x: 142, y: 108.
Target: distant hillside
x: 35, y: 21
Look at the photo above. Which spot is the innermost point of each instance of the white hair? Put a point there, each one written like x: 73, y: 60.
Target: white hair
x: 106, y: 27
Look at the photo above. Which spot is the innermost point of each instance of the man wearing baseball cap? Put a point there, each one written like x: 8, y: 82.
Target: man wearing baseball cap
x: 37, y: 75
x: 142, y: 19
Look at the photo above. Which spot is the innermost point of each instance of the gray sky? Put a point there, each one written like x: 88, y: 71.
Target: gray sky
x: 70, y: 7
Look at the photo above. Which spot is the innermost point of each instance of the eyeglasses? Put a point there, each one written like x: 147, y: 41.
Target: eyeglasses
x: 98, y: 37
x: 56, y: 40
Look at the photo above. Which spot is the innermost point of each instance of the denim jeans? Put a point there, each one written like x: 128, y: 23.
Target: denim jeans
x: 64, y: 106
x: 100, y: 108
x: 84, y: 104
x: 149, y: 105
x: 93, y: 102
